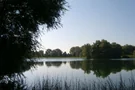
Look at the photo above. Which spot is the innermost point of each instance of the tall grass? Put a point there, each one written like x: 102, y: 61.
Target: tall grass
x: 108, y: 84
x: 66, y: 84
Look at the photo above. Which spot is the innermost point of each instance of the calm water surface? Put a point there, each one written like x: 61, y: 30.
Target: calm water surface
x: 77, y: 69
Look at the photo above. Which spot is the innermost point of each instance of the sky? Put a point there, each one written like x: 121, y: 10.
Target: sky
x: 89, y: 20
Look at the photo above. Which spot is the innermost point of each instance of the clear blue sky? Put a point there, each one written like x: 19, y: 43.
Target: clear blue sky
x: 91, y: 20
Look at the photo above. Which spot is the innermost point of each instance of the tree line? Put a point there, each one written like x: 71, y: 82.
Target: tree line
x: 103, y: 49
x: 50, y: 53
x: 99, y: 49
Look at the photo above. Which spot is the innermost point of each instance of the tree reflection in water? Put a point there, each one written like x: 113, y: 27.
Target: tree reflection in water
x: 56, y: 64
x: 103, y: 68
x: 12, y: 78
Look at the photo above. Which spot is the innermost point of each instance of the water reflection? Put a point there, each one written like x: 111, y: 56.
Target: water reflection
x: 38, y: 63
x: 10, y: 71
x: 97, y: 68
x: 55, y: 64
x: 103, y: 68
x: 12, y: 78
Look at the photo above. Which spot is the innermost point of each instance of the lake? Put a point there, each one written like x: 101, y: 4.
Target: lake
x: 69, y: 74
x: 74, y: 70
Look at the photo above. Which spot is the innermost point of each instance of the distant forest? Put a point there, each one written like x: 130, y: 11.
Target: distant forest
x: 99, y: 49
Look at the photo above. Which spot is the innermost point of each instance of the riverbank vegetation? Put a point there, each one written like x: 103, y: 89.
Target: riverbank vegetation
x: 107, y: 84
x: 60, y: 84
x: 99, y: 49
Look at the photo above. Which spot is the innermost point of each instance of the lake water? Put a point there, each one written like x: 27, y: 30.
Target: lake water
x: 81, y: 70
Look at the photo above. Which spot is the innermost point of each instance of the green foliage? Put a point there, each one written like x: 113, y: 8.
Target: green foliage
x: 133, y: 53
x: 86, y: 51
x: 48, y: 52
x: 19, y: 25
x: 128, y: 49
x: 116, y: 50
x: 95, y: 49
x: 56, y: 53
x: 37, y: 53
x: 75, y: 51
x: 103, y: 49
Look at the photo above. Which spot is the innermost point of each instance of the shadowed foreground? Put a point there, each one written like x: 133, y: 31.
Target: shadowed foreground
x: 59, y: 84
x: 108, y: 84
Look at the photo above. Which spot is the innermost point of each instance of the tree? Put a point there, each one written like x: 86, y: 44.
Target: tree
x: 134, y: 53
x: 48, y: 52
x: 75, y: 51
x: 101, y: 49
x: 116, y: 50
x: 59, y: 52
x: 128, y: 49
x: 19, y: 24
x: 19, y: 27
x: 105, y: 48
x: 53, y: 53
x: 86, y: 51
x: 41, y: 53
x: 95, y: 51
x: 64, y: 54
x: 56, y: 53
